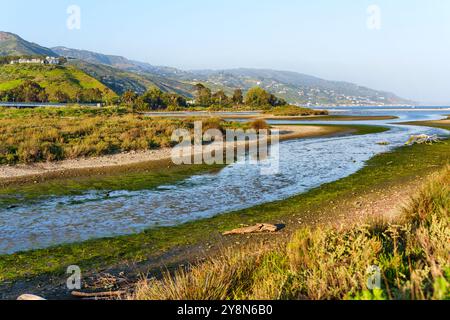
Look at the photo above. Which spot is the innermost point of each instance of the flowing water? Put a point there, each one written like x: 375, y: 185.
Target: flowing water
x: 304, y: 164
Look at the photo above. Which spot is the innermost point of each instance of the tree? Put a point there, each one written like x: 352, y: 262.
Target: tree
x: 258, y: 97
x: 61, y: 97
x: 79, y: 96
x: 154, y: 98
x: 203, y: 95
x: 129, y: 98
x: 238, y: 97
x: 92, y: 95
x: 220, y: 98
x: 107, y: 96
x: 140, y: 104
x: 175, y: 100
x: 29, y: 91
x: 42, y: 96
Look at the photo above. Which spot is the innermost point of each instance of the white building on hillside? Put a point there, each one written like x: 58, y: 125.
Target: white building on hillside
x: 51, y: 60
x: 47, y: 60
x: 27, y: 61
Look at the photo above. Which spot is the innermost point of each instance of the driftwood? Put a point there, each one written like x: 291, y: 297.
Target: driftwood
x: 259, y: 228
x: 30, y: 297
x: 422, y: 139
x: 110, y: 294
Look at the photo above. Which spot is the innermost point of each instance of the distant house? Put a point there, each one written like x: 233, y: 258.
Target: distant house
x: 47, y: 60
x: 52, y: 60
x: 27, y: 61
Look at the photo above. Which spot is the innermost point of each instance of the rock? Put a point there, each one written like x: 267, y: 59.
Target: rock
x: 30, y: 297
x: 259, y: 228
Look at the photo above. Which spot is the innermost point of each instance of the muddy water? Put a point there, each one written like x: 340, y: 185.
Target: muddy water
x: 303, y: 165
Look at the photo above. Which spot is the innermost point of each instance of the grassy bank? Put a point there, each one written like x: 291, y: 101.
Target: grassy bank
x: 412, y: 255
x: 294, y: 111
x: 402, y: 165
x: 52, y: 134
x: 441, y: 124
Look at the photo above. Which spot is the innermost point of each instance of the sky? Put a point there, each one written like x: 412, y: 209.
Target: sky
x: 400, y: 46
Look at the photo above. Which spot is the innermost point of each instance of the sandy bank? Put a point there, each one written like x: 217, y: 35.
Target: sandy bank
x: 131, y: 158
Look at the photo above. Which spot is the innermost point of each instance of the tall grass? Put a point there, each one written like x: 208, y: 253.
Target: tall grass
x: 412, y: 254
x: 28, y: 136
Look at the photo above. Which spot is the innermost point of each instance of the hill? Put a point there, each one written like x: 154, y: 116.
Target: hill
x: 292, y: 86
x: 119, y: 62
x: 13, y: 45
x: 120, y: 80
x: 298, y: 88
x: 68, y: 80
x: 121, y: 74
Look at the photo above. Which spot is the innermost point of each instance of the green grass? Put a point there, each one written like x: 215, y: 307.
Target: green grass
x: 64, y: 112
x: 328, y: 264
x: 294, y: 111
x: 402, y: 165
x: 434, y: 124
x: 8, y: 85
x: 53, y: 78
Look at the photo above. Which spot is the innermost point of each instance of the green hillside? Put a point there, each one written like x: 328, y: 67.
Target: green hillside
x: 120, y: 80
x: 68, y: 80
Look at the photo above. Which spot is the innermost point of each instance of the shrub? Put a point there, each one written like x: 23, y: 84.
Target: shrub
x: 28, y: 136
x: 259, y: 125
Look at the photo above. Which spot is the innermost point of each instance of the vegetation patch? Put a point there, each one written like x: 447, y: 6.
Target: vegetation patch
x: 402, y: 165
x: 52, y: 134
x: 43, y: 83
x: 294, y: 111
x: 317, y: 264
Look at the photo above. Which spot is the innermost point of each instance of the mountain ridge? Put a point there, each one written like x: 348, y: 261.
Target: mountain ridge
x: 13, y: 45
x: 125, y: 74
x: 295, y: 87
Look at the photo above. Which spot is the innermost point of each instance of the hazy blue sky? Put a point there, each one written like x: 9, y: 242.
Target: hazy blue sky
x: 409, y: 55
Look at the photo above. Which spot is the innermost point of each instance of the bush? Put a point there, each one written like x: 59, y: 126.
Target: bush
x: 259, y: 125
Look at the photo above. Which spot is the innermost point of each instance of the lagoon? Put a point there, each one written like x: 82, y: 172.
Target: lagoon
x: 304, y: 164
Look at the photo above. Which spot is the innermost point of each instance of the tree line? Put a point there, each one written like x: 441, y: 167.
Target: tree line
x: 152, y: 100
x: 155, y: 99
x: 30, y: 91
x: 255, y: 97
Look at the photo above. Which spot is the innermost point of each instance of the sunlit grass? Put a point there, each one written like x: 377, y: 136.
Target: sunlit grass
x: 412, y: 254
x: 53, y: 134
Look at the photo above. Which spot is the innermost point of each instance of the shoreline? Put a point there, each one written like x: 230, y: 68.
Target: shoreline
x: 386, y: 177
x: 440, y: 124
x: 260, y: 115
x: 313, y: 117
x: 67, y: 168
